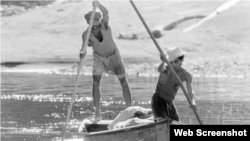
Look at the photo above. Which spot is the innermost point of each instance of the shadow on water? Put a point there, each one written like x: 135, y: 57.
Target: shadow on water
x: 12, y: 64
x: 15, y: 64
x: 34, y: 106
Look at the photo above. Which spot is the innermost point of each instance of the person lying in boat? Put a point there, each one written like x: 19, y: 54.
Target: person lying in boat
x: 162, y: 102
x: 131, y: 116
x: 106, y: 55
x: 134, y: 115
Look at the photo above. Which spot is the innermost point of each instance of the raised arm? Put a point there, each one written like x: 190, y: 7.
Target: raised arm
x: 189, y: 88
x: 161, y: 67
x: 104, y: 11
x: 83, y: 51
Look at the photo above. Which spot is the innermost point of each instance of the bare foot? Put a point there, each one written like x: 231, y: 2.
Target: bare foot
x: 96, y: 118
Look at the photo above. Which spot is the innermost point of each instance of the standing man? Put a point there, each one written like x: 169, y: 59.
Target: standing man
x: 163, y: 99
x: 106, y: 55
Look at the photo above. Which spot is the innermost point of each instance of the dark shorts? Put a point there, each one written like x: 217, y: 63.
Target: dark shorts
x: 164, y: 109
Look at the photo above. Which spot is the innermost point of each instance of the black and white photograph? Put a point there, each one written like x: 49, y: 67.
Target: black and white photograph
x: 125, y: 70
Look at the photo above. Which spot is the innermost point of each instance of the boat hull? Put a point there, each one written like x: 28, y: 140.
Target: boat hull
x: 158, y: 131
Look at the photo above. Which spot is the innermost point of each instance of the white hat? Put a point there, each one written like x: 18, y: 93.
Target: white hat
x: 173, y: 53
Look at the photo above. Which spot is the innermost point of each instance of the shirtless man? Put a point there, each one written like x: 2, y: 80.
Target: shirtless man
x: 106, y: 55
x: 163, y: 99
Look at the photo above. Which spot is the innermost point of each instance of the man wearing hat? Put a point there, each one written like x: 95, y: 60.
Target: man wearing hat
x: 163, y: 99
x: 106, y: 56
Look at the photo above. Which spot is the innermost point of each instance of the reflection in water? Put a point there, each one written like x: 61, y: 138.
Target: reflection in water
x: 34, y: 106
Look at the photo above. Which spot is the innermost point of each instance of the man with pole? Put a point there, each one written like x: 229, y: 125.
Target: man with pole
x: 163, y: 99
x: 79, y: 71
x: 106, y: 56
x: 166, y: 60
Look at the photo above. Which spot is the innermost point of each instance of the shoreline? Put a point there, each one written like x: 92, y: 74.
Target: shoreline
x: 56, y: 72
x: 134, y: 68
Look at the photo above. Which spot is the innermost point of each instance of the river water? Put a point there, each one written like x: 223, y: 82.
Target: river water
x: 34, y: 105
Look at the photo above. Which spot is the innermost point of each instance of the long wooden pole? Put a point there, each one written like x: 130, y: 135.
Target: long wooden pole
x: 165, y: 59
x: 79, y: 71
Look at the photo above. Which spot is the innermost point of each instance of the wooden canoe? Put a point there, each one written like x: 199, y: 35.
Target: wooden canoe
x: 156, y: 131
